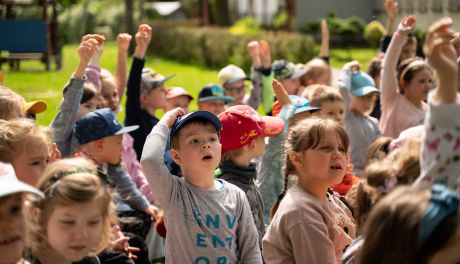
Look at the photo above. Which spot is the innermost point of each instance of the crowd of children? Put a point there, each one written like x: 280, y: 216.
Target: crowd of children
x: 365, y: 170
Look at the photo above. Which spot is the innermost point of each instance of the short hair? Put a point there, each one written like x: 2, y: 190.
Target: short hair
x: 196, y: 121
x: 314, y: 69
x: 374, y: 68
x: 318, y: 94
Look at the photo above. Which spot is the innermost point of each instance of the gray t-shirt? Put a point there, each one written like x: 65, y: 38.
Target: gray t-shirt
x: 202, y: 226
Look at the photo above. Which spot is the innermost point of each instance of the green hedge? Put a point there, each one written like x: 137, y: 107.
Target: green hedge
x: 217, y: 47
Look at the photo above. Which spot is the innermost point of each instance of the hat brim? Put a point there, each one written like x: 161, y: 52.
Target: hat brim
x: 155, y: 83
x: 171, y: 96
x: 127, y: 129
x: 273, y: 126
x: 364, y: 91
x: 9, y: 187
x: 305, y: 109
x: 297, y: 74
x: 35, y: 107
x: 226, y: 99
x: 234, y: 80
x: 180, y: 121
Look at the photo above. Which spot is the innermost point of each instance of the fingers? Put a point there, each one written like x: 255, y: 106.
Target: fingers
x: 100, y: 38
x: 280, y: 92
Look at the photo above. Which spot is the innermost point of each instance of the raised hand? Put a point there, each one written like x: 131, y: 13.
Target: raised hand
x: 254, y: 52
x: 143, y: 37
x: 280, y: 93
x: 123, y: 40
x: 265, y: 54
x: 391, y: 9
x: 406, y: 25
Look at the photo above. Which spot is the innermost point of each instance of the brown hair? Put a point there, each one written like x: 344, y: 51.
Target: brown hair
x: 318, y: 94
x: 392, y: 230
x: 16, y: 134
x: 89, y: 92
x: 378, y: 150
x: 66, y: 182
x: 11, y: 104
x: 231, y: 154
x: 305, y: 135
x: 314, y: 69
x: 374, y: 68
x: 402, y: 165
x: 408, y: 68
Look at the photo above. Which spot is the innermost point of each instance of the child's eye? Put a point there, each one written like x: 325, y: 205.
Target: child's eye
x: 327, y: 148
x: 213, y: 139
x: 16, y: 210
x: 194, y: 141
x: 36, y: 163
x: 67, y: 222
x: 94, y: 223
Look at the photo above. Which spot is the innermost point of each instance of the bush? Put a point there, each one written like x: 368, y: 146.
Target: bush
x: 373, y: 32
x: 217, y: 47
x: 246, y: 26
x: 76, y: 22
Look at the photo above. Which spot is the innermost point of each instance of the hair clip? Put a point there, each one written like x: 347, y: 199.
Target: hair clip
x: 443, y: 203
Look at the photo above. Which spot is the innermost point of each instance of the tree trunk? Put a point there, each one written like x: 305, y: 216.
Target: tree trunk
x: 220, y: 12
x: 290, y: 9
x: 204, y: 12
x: 129, y: 16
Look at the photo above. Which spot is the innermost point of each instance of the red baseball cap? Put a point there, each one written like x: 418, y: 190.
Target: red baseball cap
x: 241, y: 124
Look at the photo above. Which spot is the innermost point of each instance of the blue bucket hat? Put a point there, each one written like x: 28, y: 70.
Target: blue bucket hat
x: 182, y: 120
x: 362, y: 84
x: 301, y: 104
x: 99, y: 124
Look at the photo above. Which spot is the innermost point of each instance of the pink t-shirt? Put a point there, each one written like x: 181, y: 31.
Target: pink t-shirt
x: 398, y: 113
x: 306, y: 229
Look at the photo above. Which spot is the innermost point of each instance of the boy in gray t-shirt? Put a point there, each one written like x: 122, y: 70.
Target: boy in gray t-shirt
x: 359, y: 94
x: 207, y: 220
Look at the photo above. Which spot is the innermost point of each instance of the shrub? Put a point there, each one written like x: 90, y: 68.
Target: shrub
x: 217, y: 47
x: 373, y: 32
x: 246, y: 26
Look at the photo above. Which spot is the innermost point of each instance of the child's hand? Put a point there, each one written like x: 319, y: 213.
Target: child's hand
x: 169, y: 117
x: 152, y: 211
x: 86, y: 50
x: 406, y: 25
x: 100, y: 38
x: 143, y: 37
x: 391, y: 9
x: 280, y: 93
x: 324, y: 30
x: 123, y: 40
x: 353, y: 66
x: 254, y: 52
x: 265, y: 54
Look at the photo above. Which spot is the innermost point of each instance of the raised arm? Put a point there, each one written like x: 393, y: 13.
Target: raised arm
x: 388, y: 82
x: 123, y: 40
x: 441, y: 145
x: 344, y: 82
x: 324, y: 49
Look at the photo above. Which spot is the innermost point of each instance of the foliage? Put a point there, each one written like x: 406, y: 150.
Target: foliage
x: 75, y: 22
x: 373, y: 32
x: 280, y: 21
x: 246, y: 26
x: 217, y: 47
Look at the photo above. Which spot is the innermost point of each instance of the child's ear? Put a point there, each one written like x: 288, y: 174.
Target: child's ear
x: 175, y: 156
x: 296, y: 159
x: 36, y: 213
x: 99, y: 144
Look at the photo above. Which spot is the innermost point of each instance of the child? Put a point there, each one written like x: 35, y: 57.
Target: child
x: 26, y: 146
x: 13, y: 227
x: 212, y: 99
x: 406, y: 91
x: 289, y: 75
x: 208, y: 220
x: 359, y: 93
x: 99, y: 135
x: 441, y: 144
x: 73, y: 221
x: 428, y: 218
x: 331, y: 106
x: 78, y: 99
x: 242, y: 138
x: 178, y: 97
x: 13, y: 106
x: 270, y: 180
x: 145, y: 93
x: 373, y: 70
x: 311, y: 225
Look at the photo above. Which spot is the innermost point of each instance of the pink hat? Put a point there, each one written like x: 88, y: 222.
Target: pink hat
x: 178, y: 91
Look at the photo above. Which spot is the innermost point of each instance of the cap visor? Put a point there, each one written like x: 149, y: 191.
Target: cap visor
x: 273, y: 126
x: 14, y: 186
x: 234, y: 80
x: 298, y: 73
x: 201, y: 114
x: 226, y: 99
x: 35, y: 107
x: 364, y: 91
x: 127, y: 129
x: 304, y: 109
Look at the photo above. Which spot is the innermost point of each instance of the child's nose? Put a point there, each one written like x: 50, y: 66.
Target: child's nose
x: 205, y: 146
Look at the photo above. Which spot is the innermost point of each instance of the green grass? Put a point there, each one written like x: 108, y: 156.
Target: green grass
x: 34, y: 83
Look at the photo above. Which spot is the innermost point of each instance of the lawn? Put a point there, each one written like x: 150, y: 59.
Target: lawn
x: 34, y: 83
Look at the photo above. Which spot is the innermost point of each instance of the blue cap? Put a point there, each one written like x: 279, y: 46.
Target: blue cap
x: 362, y: 84
x: 213, y: 92
x: 301, y: 104
x: 180, y: 121
x: 99, y: 124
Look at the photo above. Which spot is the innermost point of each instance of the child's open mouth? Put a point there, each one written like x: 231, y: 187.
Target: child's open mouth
x: 10, y: 240
x: 207, y: 157
x: 336, y: 167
